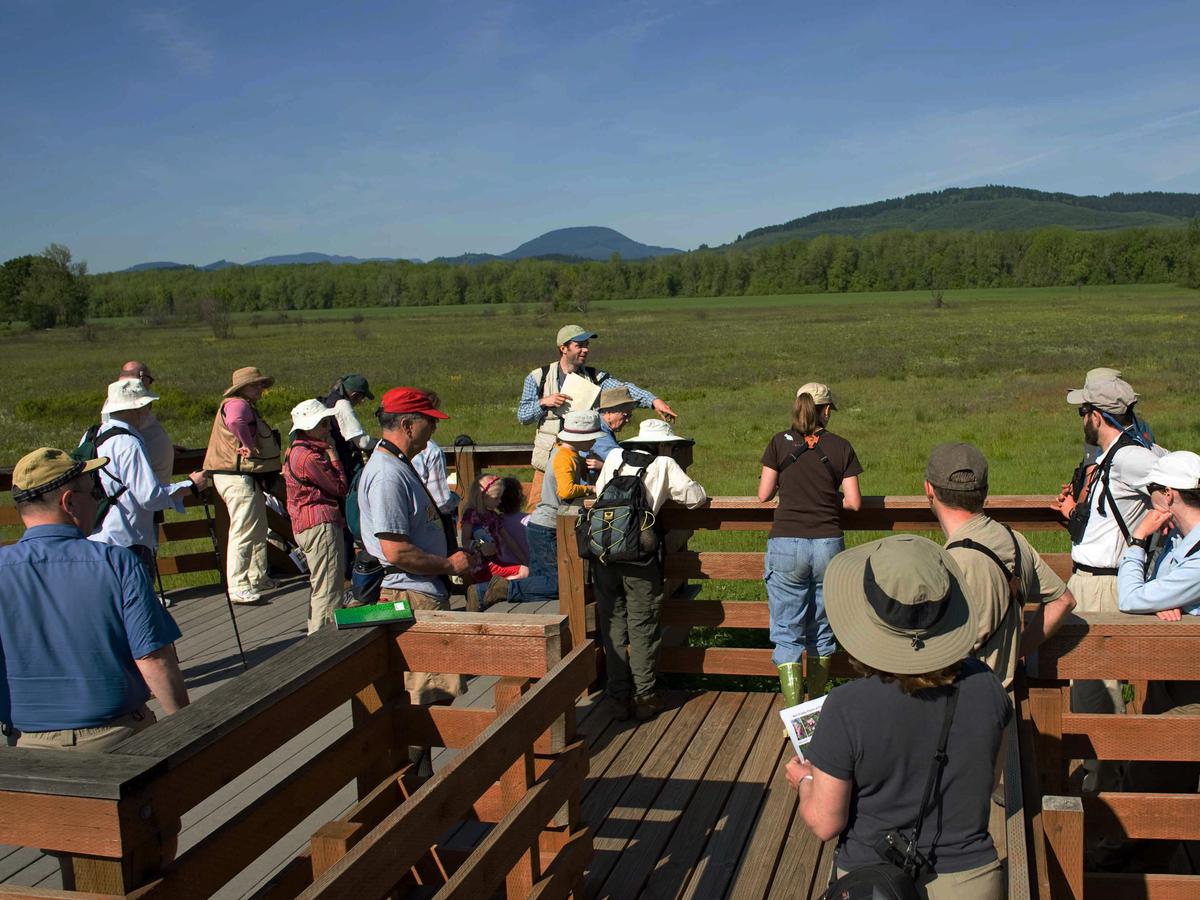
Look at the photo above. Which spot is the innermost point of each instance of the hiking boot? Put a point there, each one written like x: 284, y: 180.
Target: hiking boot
x: 616, y: 707
x: 647, y: 706
x: 267, y: 584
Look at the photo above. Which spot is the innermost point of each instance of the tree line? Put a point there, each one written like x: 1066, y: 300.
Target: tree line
x: 888, y: 261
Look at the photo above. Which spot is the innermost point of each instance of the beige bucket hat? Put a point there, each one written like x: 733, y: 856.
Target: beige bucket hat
x: 897, y: 604
x: 47, y: 468
x: 245, y: 376
x: 127, y: 393
x: 579, y: 427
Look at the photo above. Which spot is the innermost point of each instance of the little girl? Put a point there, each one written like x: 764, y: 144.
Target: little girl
x: 483, y: 528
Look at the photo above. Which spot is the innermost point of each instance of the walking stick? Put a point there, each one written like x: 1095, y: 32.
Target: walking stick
x: 212, y: 536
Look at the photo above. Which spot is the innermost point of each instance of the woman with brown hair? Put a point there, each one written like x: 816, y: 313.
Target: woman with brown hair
x: 815, y: 474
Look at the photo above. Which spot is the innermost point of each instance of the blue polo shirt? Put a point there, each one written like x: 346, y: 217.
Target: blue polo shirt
x: 74, y: 615
x: 605, y: 444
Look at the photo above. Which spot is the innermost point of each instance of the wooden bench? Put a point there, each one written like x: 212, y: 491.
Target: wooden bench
x: 520, y: 766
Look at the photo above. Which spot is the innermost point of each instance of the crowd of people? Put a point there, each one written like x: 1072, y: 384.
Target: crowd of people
x: 376, y: 520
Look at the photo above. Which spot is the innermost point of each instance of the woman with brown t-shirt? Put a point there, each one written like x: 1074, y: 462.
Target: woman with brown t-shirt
x: 815, y: 474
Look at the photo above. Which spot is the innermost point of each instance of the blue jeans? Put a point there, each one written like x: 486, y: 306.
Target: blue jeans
x: 795, y: 575
x: 542, y: 583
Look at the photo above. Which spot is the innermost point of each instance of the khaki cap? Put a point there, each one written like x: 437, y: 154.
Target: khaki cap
x: 47, y: 468
x: 1111, y: 395
x: 615, y: 398
x: 821, y: 394
x: 897, y: 604
x: 569, y: 333
x: 946, y: 460
x: 1100, y: 374
x: 246, y: 376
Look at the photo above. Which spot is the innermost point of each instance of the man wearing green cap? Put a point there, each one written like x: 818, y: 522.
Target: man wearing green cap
x: 83, y: 639
x: 1001, y: 571
x: 544, y: 402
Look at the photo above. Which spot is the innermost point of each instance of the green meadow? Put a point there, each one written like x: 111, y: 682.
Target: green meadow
x: 991, y: 367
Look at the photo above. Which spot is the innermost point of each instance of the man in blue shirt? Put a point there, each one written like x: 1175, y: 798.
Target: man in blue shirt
x: 83, y: 640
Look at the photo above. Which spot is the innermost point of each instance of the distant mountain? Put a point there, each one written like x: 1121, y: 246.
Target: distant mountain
x: 218, y: 266
x: 310, y: 258
x: 147, y: 266
x: 990, y: 208
x: 587, y: 242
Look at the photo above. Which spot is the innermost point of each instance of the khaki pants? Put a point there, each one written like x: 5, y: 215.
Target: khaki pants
x: 246, y: 548
x: 99, y: 739
x: 426, y: 688
x: 628, y: 604
x: 325, y: 553
x: 1097, y: 593
x: 983, y: 883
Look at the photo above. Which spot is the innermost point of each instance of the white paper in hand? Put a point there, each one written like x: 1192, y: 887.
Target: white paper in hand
x: 582, y: 392
x: 801, y: 722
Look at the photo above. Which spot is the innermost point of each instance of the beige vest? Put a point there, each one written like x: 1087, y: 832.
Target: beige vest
x: 222, y: 456
x: 547, y: 432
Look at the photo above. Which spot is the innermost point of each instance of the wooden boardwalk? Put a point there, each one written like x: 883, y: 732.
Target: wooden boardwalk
x: 692, y: 804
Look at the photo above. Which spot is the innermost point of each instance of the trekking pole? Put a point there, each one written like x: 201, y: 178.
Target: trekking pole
x: 212, y: 535
x: 162, y: 591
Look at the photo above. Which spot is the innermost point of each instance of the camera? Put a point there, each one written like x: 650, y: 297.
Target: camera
x: 895, y: 848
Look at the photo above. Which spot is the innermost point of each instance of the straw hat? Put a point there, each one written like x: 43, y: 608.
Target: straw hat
x: 127, y: 393
x: 897, y: 604
x: 247, y: 376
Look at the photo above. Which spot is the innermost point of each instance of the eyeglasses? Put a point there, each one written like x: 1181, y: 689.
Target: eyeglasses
x: 1154, y: 488
x: 1086, y: 410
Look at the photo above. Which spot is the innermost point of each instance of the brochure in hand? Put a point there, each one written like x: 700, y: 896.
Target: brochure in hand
x: 801, y: 722
x: 374, y: 614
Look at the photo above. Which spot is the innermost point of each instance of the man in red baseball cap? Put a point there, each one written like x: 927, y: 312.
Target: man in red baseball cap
x: 403, y: 529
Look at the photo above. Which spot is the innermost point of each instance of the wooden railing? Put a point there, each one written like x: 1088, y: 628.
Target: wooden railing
x: 1112, y: 646
x: 682, y: 610
x: 116, y: 815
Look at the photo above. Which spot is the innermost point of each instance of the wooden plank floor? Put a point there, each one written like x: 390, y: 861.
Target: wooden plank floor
x: 691, y: 804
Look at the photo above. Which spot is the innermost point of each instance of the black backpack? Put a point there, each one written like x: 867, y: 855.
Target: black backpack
x: 1077, y: 522
x: 89, y: 449
x: 620, y: 525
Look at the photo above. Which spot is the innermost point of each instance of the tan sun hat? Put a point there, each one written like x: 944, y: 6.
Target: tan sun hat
x: 820, y: 393
x: 246, y: 376
x: 47, y: 468
x: 897, y: 604
x: 127, y: 393
x: 616, y: 398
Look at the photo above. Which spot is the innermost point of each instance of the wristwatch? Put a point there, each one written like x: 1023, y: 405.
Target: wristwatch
x: 1144, y: 543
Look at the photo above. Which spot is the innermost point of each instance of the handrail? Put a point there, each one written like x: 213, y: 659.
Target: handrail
x: 122, y: 808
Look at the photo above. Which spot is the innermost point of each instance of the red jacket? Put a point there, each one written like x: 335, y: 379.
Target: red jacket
x: 316, y: 485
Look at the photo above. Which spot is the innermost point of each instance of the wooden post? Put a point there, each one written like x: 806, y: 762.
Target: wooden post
x: 386, y: 690
x: 466, y: 472
x: 572, y: 588
x: 513, y: 785
x: 1047, y: 703
x: 1062, y: 818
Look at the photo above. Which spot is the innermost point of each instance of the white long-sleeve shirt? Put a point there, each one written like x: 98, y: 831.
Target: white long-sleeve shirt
x: 663, y: 480
x: 1175, y: 584
x: 130, y: 520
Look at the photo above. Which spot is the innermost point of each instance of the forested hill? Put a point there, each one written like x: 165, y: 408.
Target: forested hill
x: 990, y: 208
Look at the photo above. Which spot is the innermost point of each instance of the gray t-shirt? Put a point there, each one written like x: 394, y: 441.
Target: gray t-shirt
x: 392, y: 500
x: 883, y: 740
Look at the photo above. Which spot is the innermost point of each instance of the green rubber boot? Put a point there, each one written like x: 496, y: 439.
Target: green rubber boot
x: 791, y: 683
x: 818, y: 676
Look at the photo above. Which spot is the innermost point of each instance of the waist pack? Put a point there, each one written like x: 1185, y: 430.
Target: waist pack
x: 620, y: 525
x: 366, y: 577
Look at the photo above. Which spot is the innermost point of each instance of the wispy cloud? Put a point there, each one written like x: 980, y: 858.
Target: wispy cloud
x: 185, y: 45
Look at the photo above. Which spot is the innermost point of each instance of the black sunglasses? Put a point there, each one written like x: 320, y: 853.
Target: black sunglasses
x: 1154, y: 488
x: 1086, y: 410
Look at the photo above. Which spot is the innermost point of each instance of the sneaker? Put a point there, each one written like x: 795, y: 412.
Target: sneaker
x: 267, y: 584
x: 245, y: 598
x: 616, y: 707
x: 647, y: 706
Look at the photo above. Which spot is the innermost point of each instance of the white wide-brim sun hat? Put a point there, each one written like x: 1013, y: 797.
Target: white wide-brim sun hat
x: 307, y: 413
x: 127, y: 393
x: 654, y: 431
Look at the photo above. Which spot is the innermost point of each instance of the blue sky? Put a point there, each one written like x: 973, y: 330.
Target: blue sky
x: 193, y: 132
